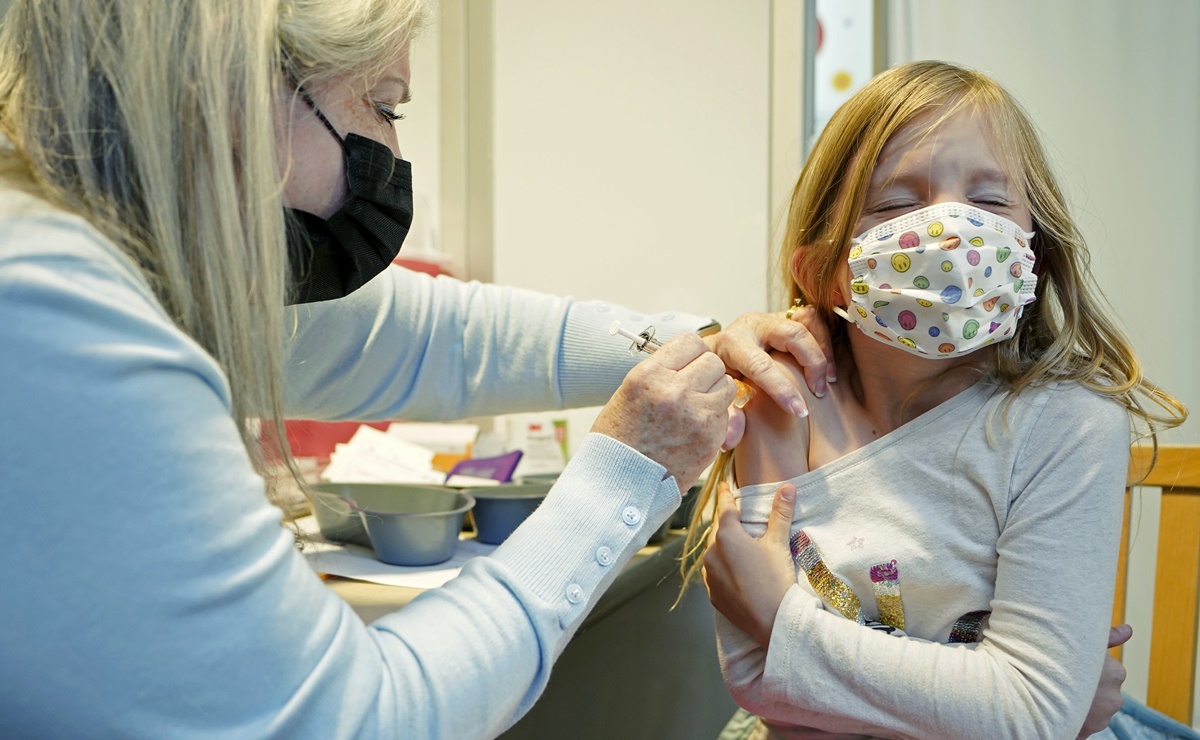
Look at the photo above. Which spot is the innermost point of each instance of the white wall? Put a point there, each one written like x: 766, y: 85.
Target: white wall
x: 420, y: 142
x: 631, y: 148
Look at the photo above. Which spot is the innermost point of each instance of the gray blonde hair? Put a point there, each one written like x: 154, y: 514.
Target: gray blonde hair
x: 154, y: 120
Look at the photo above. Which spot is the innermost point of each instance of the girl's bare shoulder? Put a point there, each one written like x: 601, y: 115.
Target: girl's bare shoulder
x: 775, y: 444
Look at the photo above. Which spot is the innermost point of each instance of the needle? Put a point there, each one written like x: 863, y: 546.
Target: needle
x: 645, y: 342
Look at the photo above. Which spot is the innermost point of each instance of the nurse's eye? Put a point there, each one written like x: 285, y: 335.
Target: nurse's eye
x: 388, y: 112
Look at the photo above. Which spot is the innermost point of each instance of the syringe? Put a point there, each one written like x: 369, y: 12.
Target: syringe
x: 645, y: 342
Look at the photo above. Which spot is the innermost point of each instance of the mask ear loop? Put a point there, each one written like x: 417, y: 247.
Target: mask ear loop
x: 288, y: 73
x: 321, y: 116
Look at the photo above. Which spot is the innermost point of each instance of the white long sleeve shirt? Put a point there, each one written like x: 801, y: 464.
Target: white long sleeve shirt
x: 997, y: 559
x: 148, y: 589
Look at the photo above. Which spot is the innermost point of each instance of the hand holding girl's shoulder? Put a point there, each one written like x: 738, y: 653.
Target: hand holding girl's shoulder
x: 778, y: 446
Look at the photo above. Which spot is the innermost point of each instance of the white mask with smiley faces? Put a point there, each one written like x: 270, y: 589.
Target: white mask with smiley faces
x: 942, y: 281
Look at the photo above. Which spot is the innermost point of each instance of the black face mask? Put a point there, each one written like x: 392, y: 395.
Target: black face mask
x: 332, y: 258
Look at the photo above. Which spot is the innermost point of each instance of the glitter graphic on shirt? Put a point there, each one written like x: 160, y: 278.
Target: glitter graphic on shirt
x: 831, y: 588
x: 886, y: 577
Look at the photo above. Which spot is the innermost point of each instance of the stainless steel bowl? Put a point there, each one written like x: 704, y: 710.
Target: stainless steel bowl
x: 409, y: 525
x: 336, y: 520
x: 500, y: 509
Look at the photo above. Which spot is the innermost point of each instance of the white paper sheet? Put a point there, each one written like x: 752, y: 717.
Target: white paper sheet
x: 372, y: 456
x: 352, y: 561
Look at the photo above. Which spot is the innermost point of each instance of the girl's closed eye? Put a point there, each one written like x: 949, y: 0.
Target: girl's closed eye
x: 892, y: 206
x: 991, y: 200
x: 994, y: 204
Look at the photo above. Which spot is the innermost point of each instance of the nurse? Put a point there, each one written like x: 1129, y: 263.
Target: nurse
x: 198, y: 201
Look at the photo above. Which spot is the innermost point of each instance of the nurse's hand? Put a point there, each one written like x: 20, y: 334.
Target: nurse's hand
x: 746, y: 577
x: 671, y: 407
x: 743, y: 346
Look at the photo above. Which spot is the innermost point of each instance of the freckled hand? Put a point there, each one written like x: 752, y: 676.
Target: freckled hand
x: 645, y: 342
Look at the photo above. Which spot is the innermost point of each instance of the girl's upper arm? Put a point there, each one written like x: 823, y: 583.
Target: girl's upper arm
x: 775, y: 444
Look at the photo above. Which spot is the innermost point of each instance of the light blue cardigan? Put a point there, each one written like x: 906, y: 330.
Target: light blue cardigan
x: 148, y: 589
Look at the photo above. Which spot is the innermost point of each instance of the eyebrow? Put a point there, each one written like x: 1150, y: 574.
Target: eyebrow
x: 911, y: 178
x: 998, y: 177
x: 403, y: 83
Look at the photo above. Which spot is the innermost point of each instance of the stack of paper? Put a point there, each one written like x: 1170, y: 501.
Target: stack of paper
x: 372, y: 456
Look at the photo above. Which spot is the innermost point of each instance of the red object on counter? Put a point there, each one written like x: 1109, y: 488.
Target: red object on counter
x: 318, y: 438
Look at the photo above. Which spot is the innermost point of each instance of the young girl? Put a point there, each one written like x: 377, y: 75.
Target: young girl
x: 960, y: 489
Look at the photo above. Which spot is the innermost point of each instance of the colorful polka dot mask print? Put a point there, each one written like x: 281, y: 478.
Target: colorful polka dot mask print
x: 942, y: 281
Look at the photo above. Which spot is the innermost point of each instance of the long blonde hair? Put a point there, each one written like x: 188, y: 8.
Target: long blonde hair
x: 155, y: 122
x: 1064, y: 335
